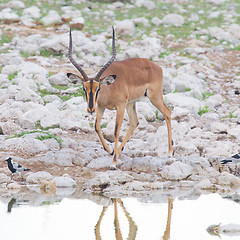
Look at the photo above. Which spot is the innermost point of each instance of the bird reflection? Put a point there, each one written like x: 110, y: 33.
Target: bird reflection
x: 10, y: 205
x: 132, y: 226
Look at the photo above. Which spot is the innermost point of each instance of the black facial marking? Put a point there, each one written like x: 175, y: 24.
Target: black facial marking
x: 90, y: 100
x: 98, y: 89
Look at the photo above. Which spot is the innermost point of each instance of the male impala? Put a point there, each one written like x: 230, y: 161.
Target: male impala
x: 119, y: 85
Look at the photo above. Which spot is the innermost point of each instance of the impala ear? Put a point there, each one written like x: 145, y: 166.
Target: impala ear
x: 74, y: 78
x: 108, y: 80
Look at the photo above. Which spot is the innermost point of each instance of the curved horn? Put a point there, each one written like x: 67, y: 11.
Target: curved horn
x: 110, y: 61
x: 76, y: 65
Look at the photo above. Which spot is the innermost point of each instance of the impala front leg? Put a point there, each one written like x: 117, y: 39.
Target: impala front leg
x: 118, y: 124
x: 99, y: 115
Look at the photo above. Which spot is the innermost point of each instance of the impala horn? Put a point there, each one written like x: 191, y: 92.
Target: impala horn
x: 110, y: 61
x: 76, y: 65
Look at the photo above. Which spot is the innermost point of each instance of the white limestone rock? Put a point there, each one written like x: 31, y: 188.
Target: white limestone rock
x: 100, y: 163
x: 220, y: 148
x: 149, y: 164
x: 106, y: 179
x: 214, y: 101
x: 176, y: 171
x: 183, y: 101
x: 52, y: 144
x: 179, y: 113
x: 9, y: 69
x: 64, y: 181
x: 210, y: 117
x: 150, y: 5
x: 186, y: 148
x: 85, y: 157
x: 50, y: 121
x: 234, y: 132
x: 51, y: 17
x: 65, y: 157
x: 8, y: 113
x: 57, y: 43
x: 33, y: 12
x: 34, y: 111
x: 219, y: 127
x: 29, y: 68
x: 9, y: 127
x: 185, y: 82
x: 15, y: 4
x: 156, y: 21
x: 227, y: 179
x: 200, y: 165
x: 74, y: 121
x: 15, y: 187
x: 147, y: 110
x: 23, y: 146
x: 173, y: 19
x: 204, y: 184
x: 125, y: 27
x: 7, y: 13
x: 221, y: 34
x: 234, y: 29
x: 4, y: 178
x: 38, y: 177
x: 26, y: 94
x: 59, y: 79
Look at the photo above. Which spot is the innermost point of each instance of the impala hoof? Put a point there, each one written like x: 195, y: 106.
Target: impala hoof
x: 113, y: 167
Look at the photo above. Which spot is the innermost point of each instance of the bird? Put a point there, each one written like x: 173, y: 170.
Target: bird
x: 14, y: 167
x: 235, y: 158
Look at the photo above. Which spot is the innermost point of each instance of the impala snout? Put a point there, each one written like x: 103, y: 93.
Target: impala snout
x: 91, y: 111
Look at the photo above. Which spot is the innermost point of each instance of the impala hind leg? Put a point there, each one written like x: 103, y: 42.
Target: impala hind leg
x: 99, y: 115
x: 118, y: 124
x: 162, y: 107
x: 133, y: 123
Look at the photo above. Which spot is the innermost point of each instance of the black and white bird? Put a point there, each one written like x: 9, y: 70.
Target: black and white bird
x: 234, y: 159
x: 15, y: 167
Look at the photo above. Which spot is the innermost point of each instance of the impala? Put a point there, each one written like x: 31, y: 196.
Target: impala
x: 118, y: 86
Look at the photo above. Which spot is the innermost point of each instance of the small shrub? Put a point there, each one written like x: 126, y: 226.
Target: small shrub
x: 12, y: 76
x: 203, y: 110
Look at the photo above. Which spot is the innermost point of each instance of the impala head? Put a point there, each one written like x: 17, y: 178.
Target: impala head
x: 91, y: 86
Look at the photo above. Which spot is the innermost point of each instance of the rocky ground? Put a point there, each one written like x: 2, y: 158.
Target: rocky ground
x: 44, y: 124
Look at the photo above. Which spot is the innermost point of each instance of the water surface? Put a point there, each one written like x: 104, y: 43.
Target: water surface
x: 125, y: 218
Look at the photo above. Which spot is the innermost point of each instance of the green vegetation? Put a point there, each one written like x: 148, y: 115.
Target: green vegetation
x: 45, y: 136
x: 203, y: 110
x: 46, y: 203
x: 48, y: 53
x: 64, y: 97
x: 5, y: 39
x: 232, y: 116
x: 206, y: 95
x: 156, y: 114
x: 49, y: 136
x: 12, y: 76
x: 104, y: 125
